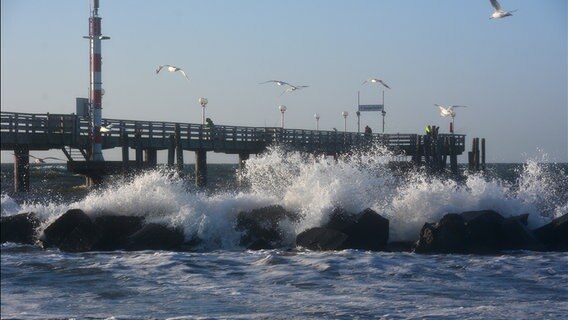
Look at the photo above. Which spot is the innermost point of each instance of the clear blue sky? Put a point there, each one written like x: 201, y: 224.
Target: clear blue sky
x: 511, y: 73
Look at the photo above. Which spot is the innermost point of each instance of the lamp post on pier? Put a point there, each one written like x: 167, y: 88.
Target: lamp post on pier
x: 203, y: 102
x: 345, y: 114
x: 282, y: 109
x: 358, y: 121
x: 317, y: 116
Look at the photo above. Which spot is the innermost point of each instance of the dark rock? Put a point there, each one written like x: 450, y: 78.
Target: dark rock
x: 114, y: 230
x: 369, y: 232
x: 554, y: 235
x: 321, y: 239
x: 264, y: 224
x: 19, y: 228
x: 516, y: 236
x: 523, y: 219
x: 446, y: 236
x: 341, y: 220
x: 73, y: 231
x: 483, y: 231
x: 365, y: 231
x: 155, y: 236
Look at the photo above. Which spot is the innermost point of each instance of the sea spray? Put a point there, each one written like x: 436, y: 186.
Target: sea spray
x: 313, y: 187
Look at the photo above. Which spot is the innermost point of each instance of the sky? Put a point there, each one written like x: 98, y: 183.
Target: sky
x: 510, y: 73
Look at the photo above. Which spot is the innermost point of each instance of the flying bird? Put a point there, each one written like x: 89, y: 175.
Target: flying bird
x: 172, y: 69
x: 42, y: 160
x: 375, y: 80
x: 448, y: 111
x: 499, y: 13
x: 108, y: 128
x: 278, y: 82
x: 293, y: 88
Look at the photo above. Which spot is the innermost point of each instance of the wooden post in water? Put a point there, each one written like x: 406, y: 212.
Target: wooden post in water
x: 453, y: 156
x: 476, y: 160
x: 138, y: 147
x: 483, y: 154
x: 417, y: 156
x: 125, y: 154
x: 243, y: 157
x: 201, y: 168
x: 151, y: 157
x: 172, y: 151
x: 179, y: 151
x: 22, y: 169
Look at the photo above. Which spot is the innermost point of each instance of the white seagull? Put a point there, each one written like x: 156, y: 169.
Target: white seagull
x: 293, y: 88
x: 172, y: 69
x: 499, y: 13
x: 278, y: 82
x: 42, y: 160
x: 375, y: 80
x: 108, y: 128
x: 448, y: 111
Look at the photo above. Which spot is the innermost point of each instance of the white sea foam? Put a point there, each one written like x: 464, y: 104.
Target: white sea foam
x: 313, y: 186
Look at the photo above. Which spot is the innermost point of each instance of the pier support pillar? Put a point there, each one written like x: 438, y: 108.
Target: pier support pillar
x: 483, y: 154
x: 453, y: 156
x: 22, y: 169
x: 138, y: 142
x: 243, y: 157
x: 179, y: 152
x: 201, y: 168
x: 125, y: 154
x: 151, y: 157
x: 172, y: 151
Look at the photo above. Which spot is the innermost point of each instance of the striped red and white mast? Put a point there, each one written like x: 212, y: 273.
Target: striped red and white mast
x: 96, y: 90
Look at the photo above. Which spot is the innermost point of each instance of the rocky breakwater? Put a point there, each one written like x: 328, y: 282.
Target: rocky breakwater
x: 474, y: 232
x: 75, y: 231
x: 488, y: 232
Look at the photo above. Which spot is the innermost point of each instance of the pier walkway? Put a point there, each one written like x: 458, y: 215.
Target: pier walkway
x: 24, y: 132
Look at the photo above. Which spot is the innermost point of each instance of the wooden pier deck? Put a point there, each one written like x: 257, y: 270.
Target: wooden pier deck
x: 24, y: 132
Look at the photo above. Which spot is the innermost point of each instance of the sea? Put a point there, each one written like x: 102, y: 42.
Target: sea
x: 219, y: 279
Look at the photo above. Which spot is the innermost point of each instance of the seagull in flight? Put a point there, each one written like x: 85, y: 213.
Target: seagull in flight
x: 172, y: 69
x: 105, y: 129
x: 499, y: 13
x: 278, y: 82
x: 448, y: 111
x: 42, y: 160
x: 375, y: 80
x: 293, y: 88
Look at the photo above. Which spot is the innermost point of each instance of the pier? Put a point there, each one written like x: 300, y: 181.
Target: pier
x: 70, y: 133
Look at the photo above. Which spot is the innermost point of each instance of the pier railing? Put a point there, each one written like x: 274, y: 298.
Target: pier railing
x: 51, y: 131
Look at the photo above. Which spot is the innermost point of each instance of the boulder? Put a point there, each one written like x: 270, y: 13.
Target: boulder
x: 19, y: 228
x: 263, y: 225
x: 369, y: 232
x: 114, y: 231
x: 446, y: 236
x: 340, y: 219
x: 155, y: 236
x: 483, y: 231
x: 516, y: 236
x: 74, y: 231
x: 321, y: 239
x: 364, y: 231
x: 554, y: 235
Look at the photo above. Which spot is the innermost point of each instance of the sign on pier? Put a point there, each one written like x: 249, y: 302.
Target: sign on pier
x: 371, y: 107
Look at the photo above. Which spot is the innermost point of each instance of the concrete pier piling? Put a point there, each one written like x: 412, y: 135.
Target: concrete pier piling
x: 201, y: 168
x: 22, y: 168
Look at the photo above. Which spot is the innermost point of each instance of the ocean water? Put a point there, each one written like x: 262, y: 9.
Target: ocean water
x: 221, y: 280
